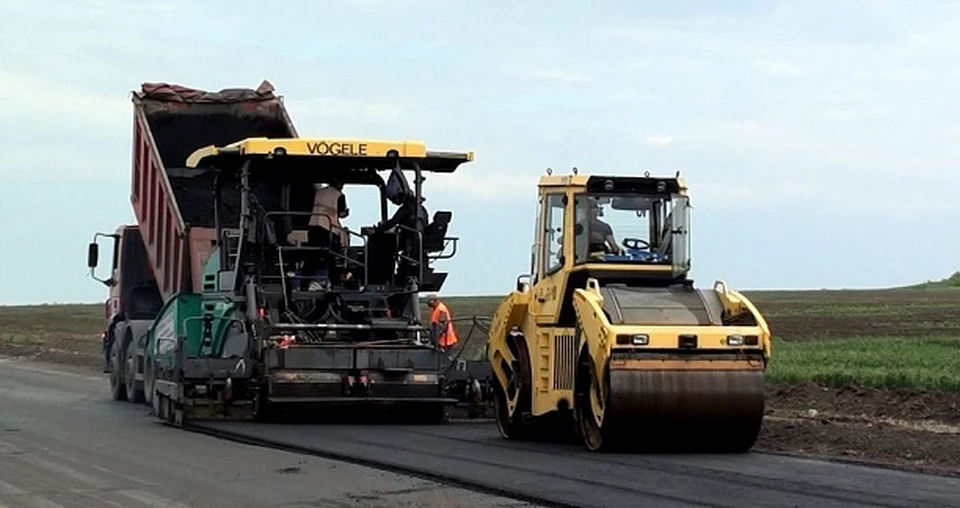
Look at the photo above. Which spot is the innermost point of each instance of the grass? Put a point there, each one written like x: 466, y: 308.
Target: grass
x: 900, y: 338
x: 926, y: 363
x: 74, y: 329
x: 951, y: 282
x: 40, y: 320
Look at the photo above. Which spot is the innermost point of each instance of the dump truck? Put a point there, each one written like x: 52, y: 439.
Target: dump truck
x: 165, y: 252
x: 608, y: 338
x: 235, y: 296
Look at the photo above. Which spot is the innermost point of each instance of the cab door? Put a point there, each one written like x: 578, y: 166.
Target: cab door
x: 552, y: 257
x: 680, y: 234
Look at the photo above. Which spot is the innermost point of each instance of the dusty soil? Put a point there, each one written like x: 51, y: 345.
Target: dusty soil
x: 911, y: 405
x: 826, y: 315
x: 66, y: 350
x: 901, y: 429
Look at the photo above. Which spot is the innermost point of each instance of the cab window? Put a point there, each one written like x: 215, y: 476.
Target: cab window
x: 623, y: 228
x: 553, y: 233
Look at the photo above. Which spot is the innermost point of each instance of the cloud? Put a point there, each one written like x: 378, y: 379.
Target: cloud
x: 476, y: 183
x: 657, y: 140
x: 31, y: 101
x: 560, y: 75
x: 739, y: 194
x: 780, y: 68
x: 842, y: 198
x: 68, y: 162
x: 53, y: 132
x: 827, y: 118
x: 380, y: 5
x: 751, y: 136
x: 347, y: 111
x: 153, y: 7
x: 744, y: 90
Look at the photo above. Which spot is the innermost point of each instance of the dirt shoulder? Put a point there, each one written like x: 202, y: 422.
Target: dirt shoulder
x: 908, y: 430
x: 79, y: 352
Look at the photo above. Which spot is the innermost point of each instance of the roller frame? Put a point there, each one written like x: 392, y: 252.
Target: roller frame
x: 633, y: 383
x: 663, y: 390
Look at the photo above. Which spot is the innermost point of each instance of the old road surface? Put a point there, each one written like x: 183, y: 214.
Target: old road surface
x: 63, y: 442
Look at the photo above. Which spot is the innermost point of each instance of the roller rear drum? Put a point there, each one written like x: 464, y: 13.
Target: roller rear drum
x: 671, y: 410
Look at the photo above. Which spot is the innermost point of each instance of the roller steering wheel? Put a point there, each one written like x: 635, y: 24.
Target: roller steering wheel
x: 632, y: 243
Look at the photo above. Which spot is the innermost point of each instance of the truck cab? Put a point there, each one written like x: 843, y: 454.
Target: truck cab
x: 134, y: 300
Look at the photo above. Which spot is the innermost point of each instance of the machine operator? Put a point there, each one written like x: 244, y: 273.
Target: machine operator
x: 329, y: 206
x: 601, y: 234
x: 325, y: 230
x: 406, y: 216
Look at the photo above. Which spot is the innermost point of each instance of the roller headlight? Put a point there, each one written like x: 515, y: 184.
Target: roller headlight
x: 639, y: 339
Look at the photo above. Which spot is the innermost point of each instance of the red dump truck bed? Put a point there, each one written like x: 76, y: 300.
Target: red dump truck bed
x: 174, y: 204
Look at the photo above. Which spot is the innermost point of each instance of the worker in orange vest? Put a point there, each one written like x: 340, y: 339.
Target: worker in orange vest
x: 441, y: 323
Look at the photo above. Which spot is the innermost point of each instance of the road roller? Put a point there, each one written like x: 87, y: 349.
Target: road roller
x: 608, y: 339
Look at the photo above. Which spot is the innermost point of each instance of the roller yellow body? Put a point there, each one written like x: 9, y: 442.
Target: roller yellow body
x: 621, y: 347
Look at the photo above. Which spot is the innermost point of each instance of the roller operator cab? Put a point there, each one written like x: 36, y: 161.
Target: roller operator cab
x: 608, y: 337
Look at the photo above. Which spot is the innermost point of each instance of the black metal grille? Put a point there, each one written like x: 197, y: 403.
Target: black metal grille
x: 564, y: 361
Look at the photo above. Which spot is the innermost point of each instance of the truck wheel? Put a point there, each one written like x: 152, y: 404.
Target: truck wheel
x: 148, y: 378
x: 107, y: 350
x: 130, y: 370
x: 118, y: 389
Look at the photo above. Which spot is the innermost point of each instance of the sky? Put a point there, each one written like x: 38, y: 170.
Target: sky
x: 819, y: 139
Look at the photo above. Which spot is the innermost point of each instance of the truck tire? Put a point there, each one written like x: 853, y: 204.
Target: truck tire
x: 134, y: 393
x: 118, y: 389
x: 148, y: 378
x: 107, y: 350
